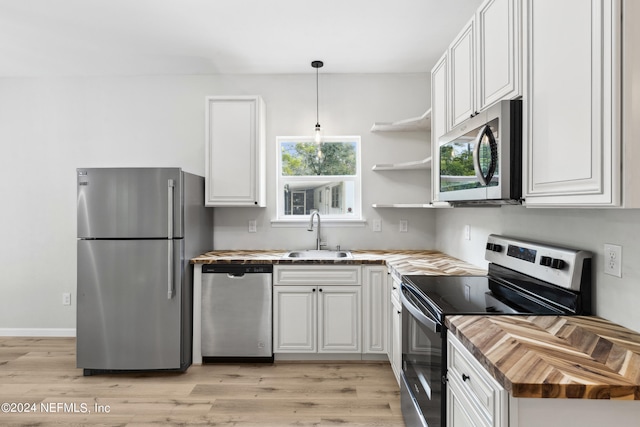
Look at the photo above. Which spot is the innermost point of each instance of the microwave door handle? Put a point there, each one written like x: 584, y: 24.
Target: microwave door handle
x: 493, y: 146
x: 419, y: 315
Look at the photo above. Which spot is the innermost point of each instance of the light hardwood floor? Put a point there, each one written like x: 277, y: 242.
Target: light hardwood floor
x: 39, y: 375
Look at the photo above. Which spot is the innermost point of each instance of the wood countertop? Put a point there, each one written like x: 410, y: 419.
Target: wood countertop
x: 583, y: 357
x: 402, y: 261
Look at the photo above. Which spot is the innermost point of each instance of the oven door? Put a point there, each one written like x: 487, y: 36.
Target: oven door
x: 422, y: 363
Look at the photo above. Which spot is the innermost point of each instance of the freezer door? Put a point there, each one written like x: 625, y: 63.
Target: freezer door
x: 129, y: 203
x: 129, y: 311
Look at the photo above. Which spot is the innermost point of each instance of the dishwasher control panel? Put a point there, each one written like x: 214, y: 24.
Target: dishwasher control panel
x: 237, y: 268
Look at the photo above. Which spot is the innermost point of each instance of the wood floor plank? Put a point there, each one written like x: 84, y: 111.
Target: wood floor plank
x: 41, y: 373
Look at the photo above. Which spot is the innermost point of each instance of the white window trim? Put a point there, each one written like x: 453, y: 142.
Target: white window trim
x: 357, y: 220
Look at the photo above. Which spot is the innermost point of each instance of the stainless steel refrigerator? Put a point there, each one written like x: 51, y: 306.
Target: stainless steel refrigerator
x: 137, y: 230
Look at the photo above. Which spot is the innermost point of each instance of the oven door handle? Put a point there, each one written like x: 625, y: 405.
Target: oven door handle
x: 427, y: 321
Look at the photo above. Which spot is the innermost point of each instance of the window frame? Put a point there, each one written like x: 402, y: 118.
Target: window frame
x: 354, y: 217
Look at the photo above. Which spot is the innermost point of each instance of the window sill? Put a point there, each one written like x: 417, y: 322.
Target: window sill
x: 329, y: 222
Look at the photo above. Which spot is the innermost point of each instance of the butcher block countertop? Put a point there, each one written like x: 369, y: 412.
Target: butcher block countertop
x: 583, y: 357
x: 402, y: 261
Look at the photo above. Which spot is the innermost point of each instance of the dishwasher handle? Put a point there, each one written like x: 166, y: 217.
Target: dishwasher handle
x: 238, y: 275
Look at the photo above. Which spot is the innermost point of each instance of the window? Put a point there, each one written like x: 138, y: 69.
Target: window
x: 323, y: 176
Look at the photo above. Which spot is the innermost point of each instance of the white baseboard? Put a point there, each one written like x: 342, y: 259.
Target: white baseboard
x: 37, y: 332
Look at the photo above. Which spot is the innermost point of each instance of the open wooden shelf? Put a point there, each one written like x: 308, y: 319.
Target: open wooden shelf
x: 417, y: 164
x: 407, y: 125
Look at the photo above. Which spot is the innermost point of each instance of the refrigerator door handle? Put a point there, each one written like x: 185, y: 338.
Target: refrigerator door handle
x: 170, y: 189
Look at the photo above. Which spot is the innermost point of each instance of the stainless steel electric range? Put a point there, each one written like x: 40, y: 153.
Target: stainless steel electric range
x: 524, y: 277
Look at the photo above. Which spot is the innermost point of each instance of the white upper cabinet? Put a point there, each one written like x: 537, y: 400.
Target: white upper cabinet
x: 439, y: 117
x: 499, y: 61
x: 485, y: 60
x: 235, y: 151
x: 462, y: 76
x: 439, y: 99
x: 572, y: 116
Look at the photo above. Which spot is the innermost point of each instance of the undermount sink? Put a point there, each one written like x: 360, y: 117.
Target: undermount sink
x: 318, y: 254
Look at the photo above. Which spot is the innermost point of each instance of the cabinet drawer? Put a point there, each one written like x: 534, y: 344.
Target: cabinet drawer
x: 482, y: 390
x: 317, y: 275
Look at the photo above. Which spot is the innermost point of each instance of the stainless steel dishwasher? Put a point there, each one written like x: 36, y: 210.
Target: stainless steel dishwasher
x: 237, y: 310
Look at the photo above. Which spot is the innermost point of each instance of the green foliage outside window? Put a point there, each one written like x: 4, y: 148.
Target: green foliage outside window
x: 309, y: 159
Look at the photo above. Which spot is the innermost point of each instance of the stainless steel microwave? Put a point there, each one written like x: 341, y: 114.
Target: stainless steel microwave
x: 480, y: 161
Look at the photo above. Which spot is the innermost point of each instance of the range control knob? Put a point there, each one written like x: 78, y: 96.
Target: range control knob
x: 494, y: 247
x: 546, y: 261
x: 558, y: 264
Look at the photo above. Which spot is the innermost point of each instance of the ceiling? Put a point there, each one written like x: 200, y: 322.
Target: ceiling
x: 140, y: 37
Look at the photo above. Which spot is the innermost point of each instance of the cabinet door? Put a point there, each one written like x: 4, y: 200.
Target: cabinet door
x: 461, y: 76
x: 375, y: 297
x: 235, y: 151
x: 475, y: 394
x: 571, y: 115
x: 498, y: 53
x: 460, y: 412
x: 294, y: 323
x: 339, y: 319
x: 439, y: 118
x: 396, y: 338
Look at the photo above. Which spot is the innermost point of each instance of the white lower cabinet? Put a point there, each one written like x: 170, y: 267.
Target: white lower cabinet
x: 323, y: 317
x: 295, y: 319
x: 375, y: 300
x: 474, y: 397
x: 339, y: 315
x: 396, y: 338
x: 395, y: 330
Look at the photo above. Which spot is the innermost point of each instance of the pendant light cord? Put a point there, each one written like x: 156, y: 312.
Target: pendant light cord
x: 317, y: 65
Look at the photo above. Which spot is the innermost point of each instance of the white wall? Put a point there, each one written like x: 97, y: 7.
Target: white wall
x: 51, y: 126
x: 349, y: 105
x: 589, y: 229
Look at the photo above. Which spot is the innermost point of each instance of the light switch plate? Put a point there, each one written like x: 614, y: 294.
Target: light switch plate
x: 377, y: 225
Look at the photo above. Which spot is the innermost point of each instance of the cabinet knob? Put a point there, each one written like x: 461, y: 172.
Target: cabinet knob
x: 465, y: 377
x: 320, y: 289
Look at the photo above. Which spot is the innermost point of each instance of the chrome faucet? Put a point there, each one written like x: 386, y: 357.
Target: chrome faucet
x: 319, y: 243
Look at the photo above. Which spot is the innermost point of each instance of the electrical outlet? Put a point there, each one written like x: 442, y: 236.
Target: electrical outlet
x: 377, y: 225
x: 613, y: 260
x: 66, y: 298
x: 253, y: 227
x: 467, y: 232
x: 403, y: 226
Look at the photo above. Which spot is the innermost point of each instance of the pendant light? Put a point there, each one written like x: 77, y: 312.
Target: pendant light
x: 318, y: 131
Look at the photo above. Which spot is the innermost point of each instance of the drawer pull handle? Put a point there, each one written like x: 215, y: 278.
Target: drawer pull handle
x: 465, y: 377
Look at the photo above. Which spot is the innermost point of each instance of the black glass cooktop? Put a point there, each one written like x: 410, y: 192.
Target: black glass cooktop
x: 448, y: 295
